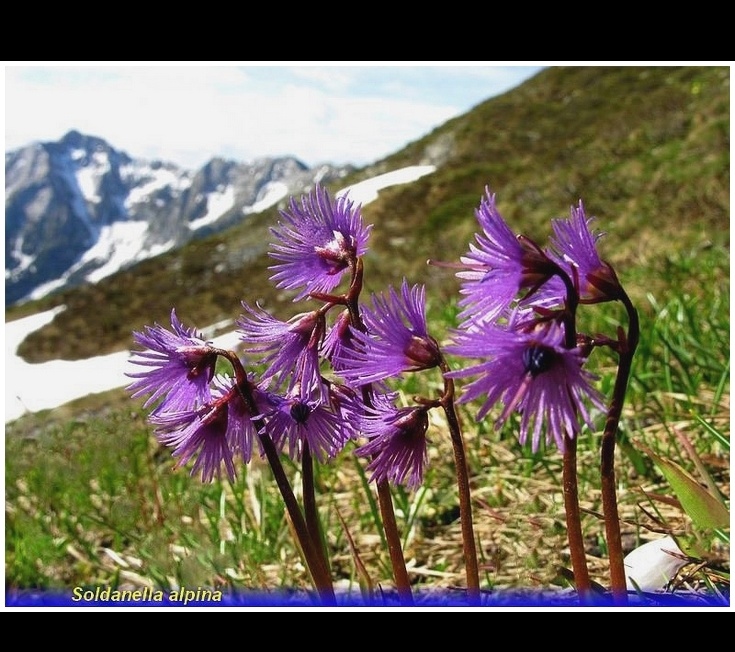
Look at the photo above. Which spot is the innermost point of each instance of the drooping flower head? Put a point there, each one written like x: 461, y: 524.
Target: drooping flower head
x: 199, y: 433
x: 498, y: 266
x: 397, y: 445
x: 316, y: 241
x: 347, y: 403
x: 530, y: 371
x: 338, y: 338
x: 575, y: 246
x: 291, y: 349
x: 180, y: 366
x: 212, y: 434
x: 396, y: 339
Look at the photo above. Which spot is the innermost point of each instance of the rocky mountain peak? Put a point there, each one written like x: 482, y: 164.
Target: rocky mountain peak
x: 79, y: 209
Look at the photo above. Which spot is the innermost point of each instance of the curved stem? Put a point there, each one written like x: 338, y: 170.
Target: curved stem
x: 463, y: 488
x: 618, y: 585
x: 400, y: 574
x: 311, y: 513
x: 314, y: 560
x: 574, y: 522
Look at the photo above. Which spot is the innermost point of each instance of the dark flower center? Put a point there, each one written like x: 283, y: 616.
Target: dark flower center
x: 538, y: 358
x: 412, y: 424
x: 300, y: 412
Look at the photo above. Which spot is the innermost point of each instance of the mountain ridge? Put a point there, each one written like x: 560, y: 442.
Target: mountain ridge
x: 78, y: 209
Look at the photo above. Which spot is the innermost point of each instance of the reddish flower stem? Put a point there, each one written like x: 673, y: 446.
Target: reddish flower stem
x: 569, y: 473
x: 574, y: 523
x: 314, y: 561
x: 311, y: 512
x: 313, y: 555
x: 385, y: 500
x: 463, y: 488
x: 618, y: 584
x: 393, y: 538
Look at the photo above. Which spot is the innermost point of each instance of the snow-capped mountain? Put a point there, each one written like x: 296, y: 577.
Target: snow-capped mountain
x: 78, y: 210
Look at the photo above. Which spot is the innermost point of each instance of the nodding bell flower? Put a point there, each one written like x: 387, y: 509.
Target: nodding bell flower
x: 499, y: 267
x: 397, y: 445
x: 395, y: 340
x: 530, y: 371
x: 291, y: 348
x: 317, y: 240
x: 214, y: 433
x: 179, y: 367
x: 297, y: 418
x: 574, y: 247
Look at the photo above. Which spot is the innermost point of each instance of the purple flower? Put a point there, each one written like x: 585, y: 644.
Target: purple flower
x: 317, y: 241
x: 213, y: 433
x: 396, y: 341
x: 345, y: 402
x: 397, y: 441
x: 241, y: 433
x: 291, y: 348
x: 530, y: 371
x: 180, y: 367
x: 294, y: 420
x: 338, y: 338
x: 498, y: 267
x: 576, y: 246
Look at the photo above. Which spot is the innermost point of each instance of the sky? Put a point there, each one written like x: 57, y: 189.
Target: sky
x: 187, y: 112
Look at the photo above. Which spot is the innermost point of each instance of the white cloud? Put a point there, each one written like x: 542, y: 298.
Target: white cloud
x: 187, y: 114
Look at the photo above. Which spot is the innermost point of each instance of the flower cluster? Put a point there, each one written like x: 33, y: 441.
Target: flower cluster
x: 213, y: 419
x: 325, y: 374
x: 519, y: 303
